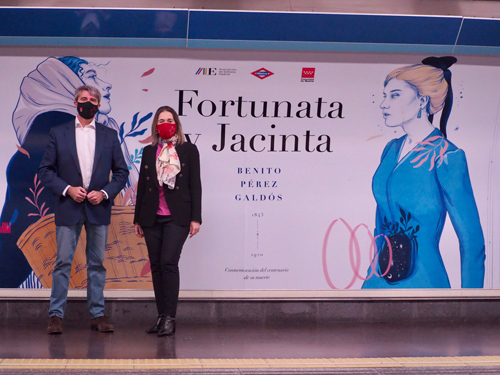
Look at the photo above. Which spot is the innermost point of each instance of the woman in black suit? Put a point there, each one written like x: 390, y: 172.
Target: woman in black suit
x: 168, y: 208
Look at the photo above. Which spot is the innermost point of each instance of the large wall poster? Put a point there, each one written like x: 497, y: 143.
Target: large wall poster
x: 289, y: 147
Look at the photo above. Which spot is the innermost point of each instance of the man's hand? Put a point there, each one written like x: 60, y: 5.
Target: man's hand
x: 95, y: 197
x: 194, y: 228
x: 77, y: 193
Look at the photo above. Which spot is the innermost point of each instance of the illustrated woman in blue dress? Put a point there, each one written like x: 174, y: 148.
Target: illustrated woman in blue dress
x: 421, y: 178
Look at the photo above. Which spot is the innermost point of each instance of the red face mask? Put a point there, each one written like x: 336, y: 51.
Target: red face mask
x: 166, y: 130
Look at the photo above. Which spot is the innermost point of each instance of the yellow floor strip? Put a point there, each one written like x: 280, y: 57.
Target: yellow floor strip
x: 194, y: 363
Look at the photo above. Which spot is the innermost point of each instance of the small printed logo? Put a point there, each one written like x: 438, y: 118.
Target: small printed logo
x: 215, y: 71
x: 262, y: 73
x: 308, y: 74
x: 206, y: 71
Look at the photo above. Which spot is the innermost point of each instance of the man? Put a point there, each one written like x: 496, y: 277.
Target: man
x: 76, y: 166
x: 46, y: 100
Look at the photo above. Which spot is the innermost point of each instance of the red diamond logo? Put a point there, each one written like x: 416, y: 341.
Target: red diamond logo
x: 262, y: 73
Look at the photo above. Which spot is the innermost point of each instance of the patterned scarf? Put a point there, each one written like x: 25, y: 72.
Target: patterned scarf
x: 167, y: 163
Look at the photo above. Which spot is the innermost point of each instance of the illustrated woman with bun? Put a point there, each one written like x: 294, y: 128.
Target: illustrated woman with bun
x: 168, y: 208
x: 422, y: 178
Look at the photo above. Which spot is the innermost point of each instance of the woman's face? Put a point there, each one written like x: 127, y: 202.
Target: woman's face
x: 88, y: 74
x: 166, y: 116
x: 401, y: 103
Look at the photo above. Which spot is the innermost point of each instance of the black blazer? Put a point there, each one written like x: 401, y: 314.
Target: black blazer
x: 184, y: 201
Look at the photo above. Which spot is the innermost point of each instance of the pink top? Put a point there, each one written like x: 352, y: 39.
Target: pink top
x: 163, y: 206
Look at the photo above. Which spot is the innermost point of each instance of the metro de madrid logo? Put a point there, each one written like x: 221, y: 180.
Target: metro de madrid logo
x: 308, y: 74
x: 262, y: 73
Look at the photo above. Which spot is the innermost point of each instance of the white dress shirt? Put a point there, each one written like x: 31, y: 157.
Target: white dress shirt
x: 85, y: 148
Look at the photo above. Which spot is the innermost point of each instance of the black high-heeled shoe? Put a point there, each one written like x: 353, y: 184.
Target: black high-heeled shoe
x: 168, y: 327
x: 159, y: 323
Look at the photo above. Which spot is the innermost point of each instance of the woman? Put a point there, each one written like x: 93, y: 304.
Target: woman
x: 422, y: 176
x: 168, y: 208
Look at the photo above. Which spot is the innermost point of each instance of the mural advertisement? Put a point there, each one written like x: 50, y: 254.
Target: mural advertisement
x: 317, y: 173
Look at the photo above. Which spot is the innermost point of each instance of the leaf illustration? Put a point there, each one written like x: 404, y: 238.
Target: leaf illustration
x: 45, y: 212
x: 409, y: 216
x: 374, y: 137
x: 139, y: 132
x: 14, y: 217
x: 148, y: 72
x: 33, y: 214
x: 134, y: 121
x: 122, y: 130
x: 147, y: 140
x: 145, y: 118
x: 146, y: 269
x: 146, y: 90
x: 39, y: 192
x: 32, y: 192
x: 417, y: 228
x: 29, y: 200
x: 434, y: 138
x: 422, y: 162
x: 43, y: 205
x: 441, y: 153
x: 403, y: 214
x: 433, y: 158
x: 418, y: 157
x: 23, y: 151
x: 418, y: 149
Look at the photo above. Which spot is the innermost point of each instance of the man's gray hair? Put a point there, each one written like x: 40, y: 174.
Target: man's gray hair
x: 92, y: 91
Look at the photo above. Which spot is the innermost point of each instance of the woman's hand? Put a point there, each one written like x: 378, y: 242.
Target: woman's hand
x: 194, y: 228
x: 138, y: 231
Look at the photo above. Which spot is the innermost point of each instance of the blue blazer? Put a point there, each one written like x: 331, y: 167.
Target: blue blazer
x: 60, y: 168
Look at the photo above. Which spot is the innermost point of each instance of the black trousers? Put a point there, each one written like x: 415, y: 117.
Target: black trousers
x: 164, y: 241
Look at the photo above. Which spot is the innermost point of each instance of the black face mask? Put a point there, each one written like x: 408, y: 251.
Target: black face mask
x: 87, y: 110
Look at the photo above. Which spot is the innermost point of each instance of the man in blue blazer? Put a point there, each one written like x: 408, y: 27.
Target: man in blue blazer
x: 76, y: 167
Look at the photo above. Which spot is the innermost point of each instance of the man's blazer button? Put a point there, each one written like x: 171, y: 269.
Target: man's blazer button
x: 150, y: 189
x: 147, y: 178
x: 177, y: 188
x: 146, y: 167
x: 180, y: 175
x: 183, y: 164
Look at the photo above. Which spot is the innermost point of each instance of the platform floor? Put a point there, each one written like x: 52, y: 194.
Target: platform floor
x: 467, y: 348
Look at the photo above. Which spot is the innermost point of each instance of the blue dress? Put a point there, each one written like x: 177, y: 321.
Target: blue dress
x: 413, y: 197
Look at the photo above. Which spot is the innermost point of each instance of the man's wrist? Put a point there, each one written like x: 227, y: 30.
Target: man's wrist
x: 105, y: 195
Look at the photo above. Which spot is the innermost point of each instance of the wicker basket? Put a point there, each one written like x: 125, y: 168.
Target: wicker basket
x: 126, y: 261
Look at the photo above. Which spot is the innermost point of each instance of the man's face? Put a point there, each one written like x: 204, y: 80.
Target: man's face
x: 88, y: 74
x: 86, y: 96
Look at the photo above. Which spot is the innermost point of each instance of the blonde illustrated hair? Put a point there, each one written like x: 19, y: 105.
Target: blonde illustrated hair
x: 426, y: 80
x: 154, y: 132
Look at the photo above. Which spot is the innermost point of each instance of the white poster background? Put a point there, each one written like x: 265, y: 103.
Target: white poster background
x: 277, y: 244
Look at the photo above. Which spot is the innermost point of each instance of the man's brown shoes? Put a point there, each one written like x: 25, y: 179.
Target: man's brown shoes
x: 55, y: 325
x: 101, y: 324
